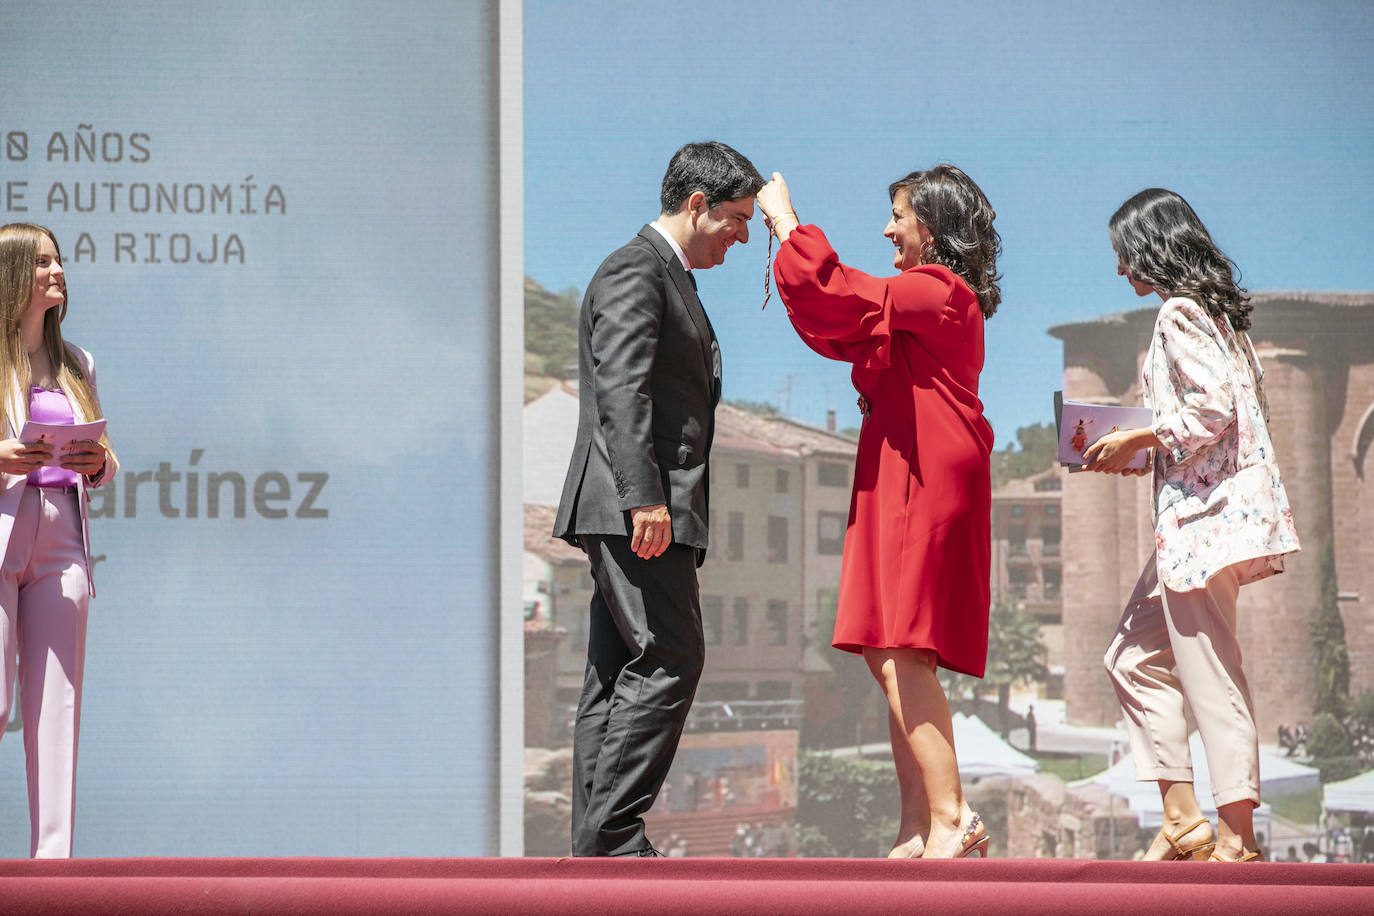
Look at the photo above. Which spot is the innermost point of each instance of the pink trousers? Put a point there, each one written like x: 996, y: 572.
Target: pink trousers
x: 1175, y: 648
x: 45, y: 595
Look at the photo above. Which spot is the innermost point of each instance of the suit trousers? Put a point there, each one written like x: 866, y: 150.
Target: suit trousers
x: 645, y: 654
x: 45, y: 594
x: 1175, y: 647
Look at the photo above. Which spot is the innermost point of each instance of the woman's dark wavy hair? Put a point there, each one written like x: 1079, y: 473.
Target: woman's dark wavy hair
x: 959, y: 218
x: 1160, y: 241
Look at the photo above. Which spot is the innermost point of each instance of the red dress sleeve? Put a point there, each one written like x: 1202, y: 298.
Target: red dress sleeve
x: 845, y: 314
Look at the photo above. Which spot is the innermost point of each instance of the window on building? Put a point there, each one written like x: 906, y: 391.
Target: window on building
x: 1046, y: 484
x: 777, y: 622
x: 712, y: 614
x: 742, y: 476
x: 1018, y: 511
x: 1049, y: 539
x: 1051, y: 511
x: 739, y: 623
x: 574, y: 622
x: 773, y: 690
x: 777, y: 539
x: 830, y: 533
x: 734, y: 536
x: 1052, y: 577
x: 832, y: 474
x: 1016, y: 539
x: 721, y: 692
x: 1018, y: 579
x: 827, y: 599
x: 783, y: 482
x: 572, y: 616
x: 568, y: 697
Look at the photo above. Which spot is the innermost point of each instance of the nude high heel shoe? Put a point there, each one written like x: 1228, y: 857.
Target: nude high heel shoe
x: 970, y: 845
x: 911, y: 849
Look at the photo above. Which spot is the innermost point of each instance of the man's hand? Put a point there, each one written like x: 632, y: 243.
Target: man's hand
x: 653, y: 531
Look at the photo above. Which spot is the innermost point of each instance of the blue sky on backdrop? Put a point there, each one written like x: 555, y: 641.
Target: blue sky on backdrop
x: 1261, y: 114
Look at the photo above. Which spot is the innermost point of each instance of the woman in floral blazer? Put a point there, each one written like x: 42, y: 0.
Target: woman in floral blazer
x: 1221, y: 521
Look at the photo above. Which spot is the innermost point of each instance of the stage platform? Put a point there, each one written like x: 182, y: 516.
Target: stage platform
x: 605, y: 887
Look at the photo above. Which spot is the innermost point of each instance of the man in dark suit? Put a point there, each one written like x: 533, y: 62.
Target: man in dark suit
x: 635, y: 498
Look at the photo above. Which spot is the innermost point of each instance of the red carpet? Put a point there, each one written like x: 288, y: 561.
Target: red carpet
x: 604, y: 887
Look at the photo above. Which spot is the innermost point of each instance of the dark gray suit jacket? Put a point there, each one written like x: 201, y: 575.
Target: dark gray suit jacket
x: 649, y: 379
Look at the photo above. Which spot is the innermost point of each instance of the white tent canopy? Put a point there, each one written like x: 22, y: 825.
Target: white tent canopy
x: 1354, y: 794
x: 981, y: 751
x: 1279, y: 776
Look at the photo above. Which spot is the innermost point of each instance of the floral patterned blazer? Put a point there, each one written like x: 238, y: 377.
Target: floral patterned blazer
x: 1219, y: 500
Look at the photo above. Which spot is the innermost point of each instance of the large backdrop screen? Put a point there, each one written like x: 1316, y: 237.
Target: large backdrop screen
x: 297, y: 238
x: 277, y: 225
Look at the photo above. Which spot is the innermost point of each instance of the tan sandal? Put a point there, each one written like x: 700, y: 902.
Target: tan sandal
x: 1248, y: 856
x: 1198, y: 852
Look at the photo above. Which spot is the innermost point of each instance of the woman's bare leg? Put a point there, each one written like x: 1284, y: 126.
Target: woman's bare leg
x: 921, y: 712
x: 911, y: 832
x: 1236, y: 830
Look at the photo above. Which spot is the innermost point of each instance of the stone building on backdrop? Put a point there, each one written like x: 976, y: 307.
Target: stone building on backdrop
x: 1317, y: 350
x: 779, y: 506
x: 1026, y: 558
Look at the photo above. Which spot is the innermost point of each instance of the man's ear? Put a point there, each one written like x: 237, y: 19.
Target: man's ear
x: 696, y: 204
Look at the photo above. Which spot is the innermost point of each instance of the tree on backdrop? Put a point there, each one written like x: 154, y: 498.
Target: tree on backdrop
x: 1341, y: 743
x: 844, y: 806
x: 550, y: 332
x: 762, y: 408
x: 1327, y: 632
x: 853, y: 683
x: 1038, y: 449
x: 1016, y: 655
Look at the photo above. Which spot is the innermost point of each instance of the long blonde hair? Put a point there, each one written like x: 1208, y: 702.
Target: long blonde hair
x: 18, y: 254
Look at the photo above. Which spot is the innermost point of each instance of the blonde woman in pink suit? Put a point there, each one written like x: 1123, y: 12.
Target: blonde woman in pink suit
x: 45, y: 580
x: 1221, y: 521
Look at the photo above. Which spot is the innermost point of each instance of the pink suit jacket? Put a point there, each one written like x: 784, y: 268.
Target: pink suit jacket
x: 12, y: 485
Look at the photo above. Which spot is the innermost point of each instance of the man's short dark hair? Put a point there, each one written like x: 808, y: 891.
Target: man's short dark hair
x: 713, y: 168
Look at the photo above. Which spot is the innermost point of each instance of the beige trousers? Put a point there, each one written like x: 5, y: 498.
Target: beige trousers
x: 1175, y: 647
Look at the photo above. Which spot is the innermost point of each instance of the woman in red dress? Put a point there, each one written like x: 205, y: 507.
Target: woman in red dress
x: 914, y: 577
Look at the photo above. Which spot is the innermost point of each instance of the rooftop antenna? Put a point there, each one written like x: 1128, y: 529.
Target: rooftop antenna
x: 785, y: 393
